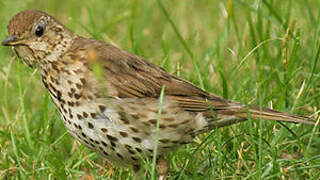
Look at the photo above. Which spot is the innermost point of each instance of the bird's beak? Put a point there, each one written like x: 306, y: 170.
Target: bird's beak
x: 10, y: 41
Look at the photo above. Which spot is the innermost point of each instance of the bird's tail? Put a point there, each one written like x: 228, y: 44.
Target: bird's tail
x: 234, y: 112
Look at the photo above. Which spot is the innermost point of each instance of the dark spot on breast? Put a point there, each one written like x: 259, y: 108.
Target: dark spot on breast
x: 93, y: 115
x: 83, y: 81
x: 123, y: 117
x: 59, y: 95
x: 85, y: 115
x: 113, y: 144
x: 60, y: 109
x: 70, y: 94
x: 53, y: 79
x: 45, y: 83
x: 105, y: 153
x: 75, y: 125
x: 70, y: 103
x: 134, y: 129
x: 90, y: 125
x: 119, y: 155
x: 77, y: 96
x: 131, y: 151
x: 77, y: 103
x: 45, y: 72
x: 134, y: 158
x: 111, y: 138
x: 136, y: 139
x: 79, y: 116
x: 83, y: 135
x: 123, y: 134
x: 53, y: 88
x: 138, y: 149
x: 52, y: 94
x: 102, y: 108
x: 104, y: 143
x: 104, y: 130
x: 54, y: 66
x: 73, y: 90
x: 66, y: 71
x: 69, y: 82
x: 79, y: 86
x: 78, y: 71
x: 90, y: 97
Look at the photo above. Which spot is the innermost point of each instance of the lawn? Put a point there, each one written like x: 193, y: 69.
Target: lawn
x: 261, y: 52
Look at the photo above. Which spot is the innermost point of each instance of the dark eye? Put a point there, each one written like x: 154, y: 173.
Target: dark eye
x: 39, y: 31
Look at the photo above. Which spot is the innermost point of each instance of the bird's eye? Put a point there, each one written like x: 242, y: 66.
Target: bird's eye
x: 39, y: 30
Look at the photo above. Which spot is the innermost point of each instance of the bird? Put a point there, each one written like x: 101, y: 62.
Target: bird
x: 117, y: 103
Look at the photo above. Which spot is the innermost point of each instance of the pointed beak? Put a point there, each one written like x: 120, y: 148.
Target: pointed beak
x: 10, y: 41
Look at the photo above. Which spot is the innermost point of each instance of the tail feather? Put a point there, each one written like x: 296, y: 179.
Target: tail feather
x: 243, y: 113
x: 270, y: 114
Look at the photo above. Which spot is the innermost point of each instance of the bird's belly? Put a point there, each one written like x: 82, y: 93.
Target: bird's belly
x: 122, y: 143
x: 123, y: 134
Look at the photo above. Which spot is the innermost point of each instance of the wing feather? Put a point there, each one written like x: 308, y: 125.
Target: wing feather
x: 134, y: 77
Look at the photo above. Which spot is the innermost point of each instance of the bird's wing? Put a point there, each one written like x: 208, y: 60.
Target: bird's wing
x: 134, y: 77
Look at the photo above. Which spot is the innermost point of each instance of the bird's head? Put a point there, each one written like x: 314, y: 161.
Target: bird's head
x: 37, y: 38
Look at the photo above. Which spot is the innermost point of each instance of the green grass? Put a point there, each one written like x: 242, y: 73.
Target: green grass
x: 262, y: 52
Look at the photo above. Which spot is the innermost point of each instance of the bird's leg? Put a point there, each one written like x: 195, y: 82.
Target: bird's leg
x: 162, y: 168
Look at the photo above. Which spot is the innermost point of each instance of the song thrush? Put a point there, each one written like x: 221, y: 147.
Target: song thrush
x: 116, y: 112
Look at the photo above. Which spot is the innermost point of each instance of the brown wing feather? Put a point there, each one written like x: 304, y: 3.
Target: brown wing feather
x: 133, y: 77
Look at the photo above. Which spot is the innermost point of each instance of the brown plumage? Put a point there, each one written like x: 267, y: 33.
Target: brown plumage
x: 115, y: 112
